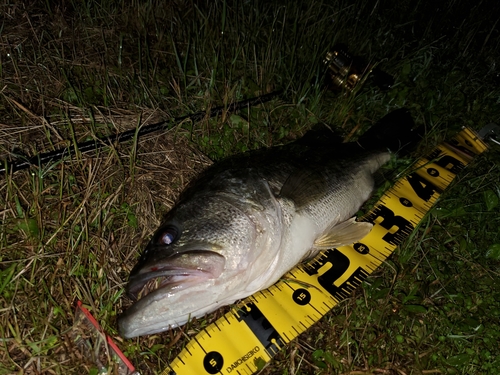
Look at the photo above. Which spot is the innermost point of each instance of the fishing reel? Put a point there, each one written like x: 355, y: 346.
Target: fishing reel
x: 490, y: 132
x: 345, y: 72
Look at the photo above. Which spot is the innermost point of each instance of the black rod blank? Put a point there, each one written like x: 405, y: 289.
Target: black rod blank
x: 95, y: 144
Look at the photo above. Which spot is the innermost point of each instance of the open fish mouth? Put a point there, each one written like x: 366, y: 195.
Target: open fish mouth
x: 153, y: 284
x: 140, y: 287
x: 175, y: 272
x: 165, y: 281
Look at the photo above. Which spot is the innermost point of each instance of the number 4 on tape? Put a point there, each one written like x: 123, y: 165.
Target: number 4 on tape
x: 244, y: 339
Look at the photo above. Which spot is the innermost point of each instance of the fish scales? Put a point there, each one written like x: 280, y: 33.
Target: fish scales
x: 248, y: 220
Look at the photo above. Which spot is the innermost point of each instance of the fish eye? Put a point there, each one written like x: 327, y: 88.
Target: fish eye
x: 169, y: 235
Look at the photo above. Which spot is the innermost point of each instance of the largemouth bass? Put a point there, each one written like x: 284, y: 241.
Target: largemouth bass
x: 248, y: 220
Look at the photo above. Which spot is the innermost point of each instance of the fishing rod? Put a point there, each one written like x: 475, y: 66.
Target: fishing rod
x: 98, y: 143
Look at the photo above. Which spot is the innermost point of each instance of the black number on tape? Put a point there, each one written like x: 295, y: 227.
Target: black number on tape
x: 339, y: 263
x: 213, y: 362
x: 361, y: 248
x: 433, y: 172
x: 390, y: 221
x: 301, y: 297
x: 423, y: 188
x: 405, y: 202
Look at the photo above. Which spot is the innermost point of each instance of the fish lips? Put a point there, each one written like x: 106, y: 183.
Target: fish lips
x: 173, y: 270
x: 169, y: 282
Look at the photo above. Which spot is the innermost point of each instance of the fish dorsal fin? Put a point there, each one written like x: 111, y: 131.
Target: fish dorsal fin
x: 345, y: 233
x: 303, y: 187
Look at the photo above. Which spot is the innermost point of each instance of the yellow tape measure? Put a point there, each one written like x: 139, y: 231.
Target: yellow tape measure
x: 244, y: 339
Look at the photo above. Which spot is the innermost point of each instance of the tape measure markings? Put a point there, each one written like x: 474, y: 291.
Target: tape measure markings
x: 201, y: 337
x: 228, y: 357
x: 250, y: 335
x: 281, y: 318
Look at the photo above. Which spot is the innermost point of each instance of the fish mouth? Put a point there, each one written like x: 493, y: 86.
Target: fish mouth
x: 174, y: 272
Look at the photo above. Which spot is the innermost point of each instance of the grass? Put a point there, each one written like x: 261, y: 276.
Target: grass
x: 72, y: 230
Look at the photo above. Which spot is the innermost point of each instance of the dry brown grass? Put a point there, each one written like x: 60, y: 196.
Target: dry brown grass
x: 89, y: 219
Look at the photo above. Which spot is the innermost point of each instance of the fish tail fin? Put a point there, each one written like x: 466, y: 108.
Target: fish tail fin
x: 395, y: 131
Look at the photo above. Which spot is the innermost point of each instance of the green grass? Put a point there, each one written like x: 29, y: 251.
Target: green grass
x: 73, y: 230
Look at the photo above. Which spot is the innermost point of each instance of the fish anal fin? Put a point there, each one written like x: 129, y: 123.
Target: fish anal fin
x: 345, y: 233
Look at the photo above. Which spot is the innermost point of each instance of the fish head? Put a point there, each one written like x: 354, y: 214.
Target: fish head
x: 170, y: 260
x: 199, y: 259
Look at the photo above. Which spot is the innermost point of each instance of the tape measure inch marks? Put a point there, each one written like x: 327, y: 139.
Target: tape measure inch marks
x: 245, y: 338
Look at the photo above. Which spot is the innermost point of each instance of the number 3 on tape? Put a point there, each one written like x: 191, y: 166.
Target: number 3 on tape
x: 244, y: 339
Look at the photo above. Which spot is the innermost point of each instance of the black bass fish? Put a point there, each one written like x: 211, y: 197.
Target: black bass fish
x: 251, y: 218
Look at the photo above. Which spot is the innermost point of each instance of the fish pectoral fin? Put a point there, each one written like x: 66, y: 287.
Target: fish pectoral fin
x: 345, y: 233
